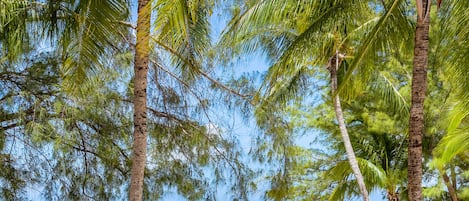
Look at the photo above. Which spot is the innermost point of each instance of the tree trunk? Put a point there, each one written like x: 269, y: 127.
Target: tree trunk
x: 333, y: 66
x: 451, y: 189
x: 140, y: 102
x: 419, y: 87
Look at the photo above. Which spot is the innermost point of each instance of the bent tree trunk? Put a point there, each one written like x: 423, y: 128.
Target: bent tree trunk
x: 139, y: 148
x: 333, y: 66
x: 451, y: 188
x: 419, y: 87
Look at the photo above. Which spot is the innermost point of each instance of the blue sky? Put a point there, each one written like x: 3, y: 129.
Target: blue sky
x: 253, y: 63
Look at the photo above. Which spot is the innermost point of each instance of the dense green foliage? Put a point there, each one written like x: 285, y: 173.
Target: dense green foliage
x: 66, y: 99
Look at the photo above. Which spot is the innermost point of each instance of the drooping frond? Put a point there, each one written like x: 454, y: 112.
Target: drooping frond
x: 311, y: 48
x: 14, y: 36
x: 454, y: 143
x: 390, y: 94
x: 342, y: 172
x: 456, y: 140
x: 454, y: 49
x: 393, y: 23
x: 90, y: 30
x: 183, y: 26
x: 261, y: 24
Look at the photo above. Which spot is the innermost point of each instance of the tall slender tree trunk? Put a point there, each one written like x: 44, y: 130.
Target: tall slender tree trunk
x: 419, y: 88
x: 333, y: 66
x: 140, y: 102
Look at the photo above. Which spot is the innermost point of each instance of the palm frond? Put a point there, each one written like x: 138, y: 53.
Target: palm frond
x: 293, y: 59
x: 183, y: 26
x: 373, y: 175
x: 14, y: 35
x: 456, y: 31
x: 278, y: 23
x: 391, y: 95
x: 90, y: 29
x: 392, y: 23
x: 454, y: 143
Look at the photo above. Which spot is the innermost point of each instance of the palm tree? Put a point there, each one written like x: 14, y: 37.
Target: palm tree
x: 182, y: 31
x: 380, y: 151
x: 416, y: 126
x: 311, y: 28
x: 333, y: 67
x: 377, y: 137
x: 419, y: 87
x: 139, y: 147
x: 421, y: 43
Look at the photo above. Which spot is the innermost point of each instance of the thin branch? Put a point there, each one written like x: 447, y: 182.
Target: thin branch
x: 175, y: 53
x: 223, y: 86
x: 123, y: 172
x: 179, y: 80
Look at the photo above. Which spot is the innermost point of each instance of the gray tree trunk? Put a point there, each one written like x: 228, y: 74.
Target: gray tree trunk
x: 333, y: 65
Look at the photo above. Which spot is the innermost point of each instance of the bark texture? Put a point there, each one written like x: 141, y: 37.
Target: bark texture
x: 419, y: 88
x: 333, y: 65
x: 139, y: 148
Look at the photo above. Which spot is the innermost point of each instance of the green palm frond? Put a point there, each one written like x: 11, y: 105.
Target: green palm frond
x: 456, y: 51
x: 183, y: 26
x: 90, y: 29
x: 312, y: 47
x: 391, y: 94
x: 454, y: 143
x: 456, y: 140
x: 455, y: 116
x: 83, y: 31
x: 285, y: 87
x: 393, y: 23
x: 260, y: 21
x: 374, y: 176
x: 339, y: 192
x: 456, y: 31
x: 14, y: 36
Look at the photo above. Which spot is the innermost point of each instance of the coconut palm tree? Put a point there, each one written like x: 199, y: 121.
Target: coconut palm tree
x: 416, y: 126
x: 181, y: 30
x: 419, y: 88
x: 141, y: 62
x: 333, y: 67
x: 380, y: 147
x: 301, y: 37
x: 294, y: 32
